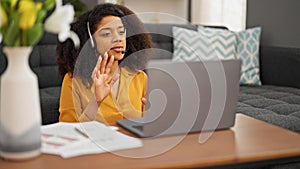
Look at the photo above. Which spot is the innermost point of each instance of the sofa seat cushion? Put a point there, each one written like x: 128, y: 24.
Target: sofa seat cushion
x: 276, y: 105
x: 49, y: 98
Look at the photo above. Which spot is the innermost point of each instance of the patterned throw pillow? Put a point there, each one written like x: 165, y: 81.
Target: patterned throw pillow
x: 190, y: 45
x: 247, y: 51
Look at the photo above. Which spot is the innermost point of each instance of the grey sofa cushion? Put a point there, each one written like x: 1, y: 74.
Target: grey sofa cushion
x: 43, y: 62
x: 49, y: 104
x: 3, y: 61
x: 274, y: 104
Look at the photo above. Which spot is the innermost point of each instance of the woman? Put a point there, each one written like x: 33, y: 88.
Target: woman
x: 103, y: 78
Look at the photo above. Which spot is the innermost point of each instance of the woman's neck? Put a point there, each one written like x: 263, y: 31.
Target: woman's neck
x: 115, y: 67
x: 115, y: 87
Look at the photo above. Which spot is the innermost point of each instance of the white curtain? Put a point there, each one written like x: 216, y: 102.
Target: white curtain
x: 229, y: 13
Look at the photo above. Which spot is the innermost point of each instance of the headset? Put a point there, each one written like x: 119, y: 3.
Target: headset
x: 90, y: 34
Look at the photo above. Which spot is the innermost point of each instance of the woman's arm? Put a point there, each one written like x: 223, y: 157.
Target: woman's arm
x: 71, y: 106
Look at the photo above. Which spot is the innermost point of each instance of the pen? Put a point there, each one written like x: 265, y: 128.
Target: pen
x: 81, y: 132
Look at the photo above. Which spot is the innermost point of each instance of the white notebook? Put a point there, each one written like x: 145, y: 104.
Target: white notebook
x: 75, y: 139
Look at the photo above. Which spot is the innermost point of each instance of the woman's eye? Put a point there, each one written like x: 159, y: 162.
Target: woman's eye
x: 107, y: 34
x: 122, y: 32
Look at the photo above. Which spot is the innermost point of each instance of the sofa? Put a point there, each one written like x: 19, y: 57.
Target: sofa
x: 276, y: 101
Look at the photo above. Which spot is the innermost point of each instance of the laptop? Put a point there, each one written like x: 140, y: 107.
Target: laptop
x: 186, y: 97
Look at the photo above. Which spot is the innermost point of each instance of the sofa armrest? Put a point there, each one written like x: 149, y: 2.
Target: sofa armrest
x: 280, y: 66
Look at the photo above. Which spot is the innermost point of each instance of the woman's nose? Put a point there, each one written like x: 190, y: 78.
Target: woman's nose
x: 117, y: 37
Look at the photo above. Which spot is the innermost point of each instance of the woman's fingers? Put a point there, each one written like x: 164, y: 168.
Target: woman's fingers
x: 109, y: 65
x: 106, y: 64
x: 98, y: 64
x: 144, y: 100
x: 103, y: 63
x: 94, y: 73
x: 103, y: 70
x: 96, y: 69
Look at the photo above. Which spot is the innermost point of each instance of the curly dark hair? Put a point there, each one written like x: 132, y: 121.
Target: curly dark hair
x: 81, y: 61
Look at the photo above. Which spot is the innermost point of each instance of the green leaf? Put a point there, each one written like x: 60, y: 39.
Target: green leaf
x: 41, y: 15
x: 34, y: 34
x: 12, y: 32
x: 5, y: 5
x: 49, y: 4
x: 23, y: 38
x: 18, y: 41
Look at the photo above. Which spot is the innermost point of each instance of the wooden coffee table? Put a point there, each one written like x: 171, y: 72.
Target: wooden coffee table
x: 249, y: 143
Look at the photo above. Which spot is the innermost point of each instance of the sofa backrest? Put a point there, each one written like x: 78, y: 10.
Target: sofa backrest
x: 3, y: 61
x: 278, y: 66
x: 162, y: 38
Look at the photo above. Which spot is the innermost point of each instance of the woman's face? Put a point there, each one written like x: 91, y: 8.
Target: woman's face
x: 111, y: 37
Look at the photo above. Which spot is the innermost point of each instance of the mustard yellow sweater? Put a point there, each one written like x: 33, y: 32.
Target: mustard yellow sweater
x: 75, y: 97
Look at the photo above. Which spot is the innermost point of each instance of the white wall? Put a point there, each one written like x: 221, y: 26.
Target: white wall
x: 159, y: 11
x: 229, y: 13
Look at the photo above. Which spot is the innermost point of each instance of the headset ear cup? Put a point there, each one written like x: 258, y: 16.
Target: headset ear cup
x: 90, y: 35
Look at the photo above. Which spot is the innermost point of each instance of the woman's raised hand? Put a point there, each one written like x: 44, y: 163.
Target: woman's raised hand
x: 104, y: 77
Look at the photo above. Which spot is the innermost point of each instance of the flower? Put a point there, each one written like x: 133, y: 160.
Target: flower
x: 23, y: 22
x: 65, y: 14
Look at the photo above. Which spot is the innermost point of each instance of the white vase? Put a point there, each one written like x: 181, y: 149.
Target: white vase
x: 20, y: 112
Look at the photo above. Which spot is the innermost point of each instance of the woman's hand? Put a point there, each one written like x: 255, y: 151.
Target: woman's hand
x: 103, y: 77
x: 144, y: 101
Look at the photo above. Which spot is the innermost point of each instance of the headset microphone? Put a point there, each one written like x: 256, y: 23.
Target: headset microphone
x: 123, y: 52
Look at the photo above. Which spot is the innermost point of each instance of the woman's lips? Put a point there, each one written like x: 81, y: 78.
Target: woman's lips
x: 117, y: 49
